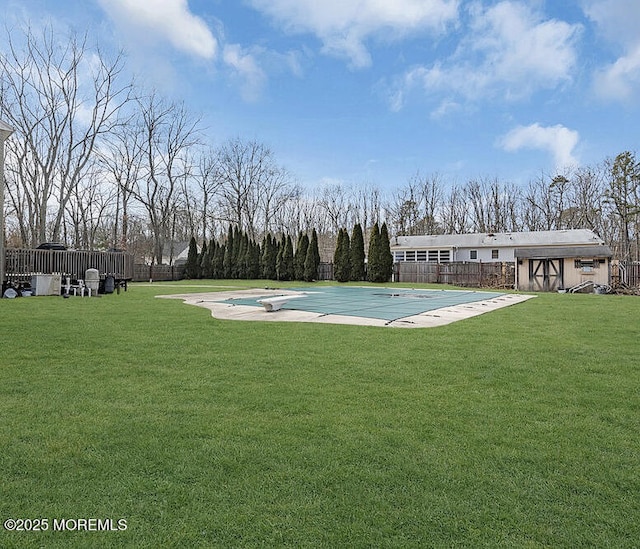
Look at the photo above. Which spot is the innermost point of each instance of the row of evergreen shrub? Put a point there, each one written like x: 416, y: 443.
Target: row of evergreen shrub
x: 241, y: 257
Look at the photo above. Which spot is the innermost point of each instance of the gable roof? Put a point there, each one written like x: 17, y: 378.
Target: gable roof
x: 569, y: 237
x: 4, y: 127
x: 566, y: 252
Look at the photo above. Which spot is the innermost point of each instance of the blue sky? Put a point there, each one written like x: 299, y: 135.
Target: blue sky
x: 373, y: 91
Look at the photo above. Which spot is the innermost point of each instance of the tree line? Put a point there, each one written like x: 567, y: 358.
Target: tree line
x: 98, y: 163
x: 241, y: 257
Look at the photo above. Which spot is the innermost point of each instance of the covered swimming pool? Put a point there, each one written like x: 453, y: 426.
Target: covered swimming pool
x: 360, y: 305
x: 387, y: 304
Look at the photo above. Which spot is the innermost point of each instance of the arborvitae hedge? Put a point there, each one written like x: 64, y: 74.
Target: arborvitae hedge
x: 386, y: 257
x: 373, y: 257
x: 269, y: 258
x: 240, y: 257
x: 380, y: 260
x: 312, y: 261
x: 300, y: 256
x: 192, y: 267
x: 203, y: 257
x: 342, y: 257
x: 357, y: 254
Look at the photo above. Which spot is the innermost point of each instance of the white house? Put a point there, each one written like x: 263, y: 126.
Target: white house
x: 485, y: 247
x: 546, y: 260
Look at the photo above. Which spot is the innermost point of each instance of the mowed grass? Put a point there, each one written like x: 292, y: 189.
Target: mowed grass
x: 518, y: 428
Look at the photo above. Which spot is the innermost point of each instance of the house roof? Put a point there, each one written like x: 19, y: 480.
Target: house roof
x: 4, y: 126
x: 564, y: 251
x: 569, y: 237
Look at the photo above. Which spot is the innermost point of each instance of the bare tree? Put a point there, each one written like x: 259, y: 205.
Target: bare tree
x: 169, y: 132
x: 335, y: 201
x: 455, y: 212
x: 121, y: 159
x: 622, y: 193
x: 494, y: 205
x: 586, y: 198
x: 61, y: 98
x: 208, y: 183
x: 90, y: 203
x: 404, y: 210
x: 251, y: 185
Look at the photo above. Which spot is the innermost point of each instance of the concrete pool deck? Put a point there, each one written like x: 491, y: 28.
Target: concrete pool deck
x: 222, y: 306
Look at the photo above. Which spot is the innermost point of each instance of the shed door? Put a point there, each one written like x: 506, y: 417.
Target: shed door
x: 546, y: 275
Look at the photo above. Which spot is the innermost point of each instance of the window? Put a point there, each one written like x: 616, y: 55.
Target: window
x: 433, y: 255
x: 494, y: 254
x: 398, y: 256
x: 410, y: 255
x: 587, y: 266
x: 444, y: 255
x: 473, y: 254
x: 421, y: 255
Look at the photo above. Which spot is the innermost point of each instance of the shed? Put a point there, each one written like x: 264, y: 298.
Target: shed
x: 547, y: 269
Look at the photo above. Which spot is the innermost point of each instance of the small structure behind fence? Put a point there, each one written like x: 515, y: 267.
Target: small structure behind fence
x: 21, y: 264
x: 466, y: 274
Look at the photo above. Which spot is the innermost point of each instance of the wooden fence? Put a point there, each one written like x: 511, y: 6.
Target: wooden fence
x: 145, y: 273
x: 476, y: 275
x: 22, y: 263
x: 625, y: 274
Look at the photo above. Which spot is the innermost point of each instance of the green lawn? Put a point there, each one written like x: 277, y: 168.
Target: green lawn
x: 518, y: 428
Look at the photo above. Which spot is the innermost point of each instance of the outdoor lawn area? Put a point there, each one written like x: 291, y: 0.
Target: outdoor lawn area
x: 516, y: 428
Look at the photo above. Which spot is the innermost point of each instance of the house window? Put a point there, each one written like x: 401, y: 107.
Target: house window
x: 421, y: 255
x: 494, y: 254
x: 398, y: 256
x: 433, y: 255
x: 410, y: 255
x: 473, y: 254
x: 444, y: 255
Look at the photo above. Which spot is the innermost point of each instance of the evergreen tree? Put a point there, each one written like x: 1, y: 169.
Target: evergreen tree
x: 357, y: 254
x: 341, y: 257
x: 312, y: 261
x: 206, y: 266
x: 269, y: 256
x: 287, y: 260
x: 192, y: 267
x: 280, y: 274
x: 337, y: 257
x: 227, y: 264
x: 235, y: 254
x: 203, y: 257
x: 386, y: 257
x: 300, y: 256
x: 253, y: 270
x: 241, y: 263
x: 218, y: 261
x: 373, y: 258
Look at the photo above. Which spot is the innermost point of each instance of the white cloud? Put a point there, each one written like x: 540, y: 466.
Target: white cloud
x: 344, y: 26
x: 510, y: 51
x: 168, y: 20
x: 557, y: 140
x: 247, y: 69
x: 618, y: 21
x: 621, y: 79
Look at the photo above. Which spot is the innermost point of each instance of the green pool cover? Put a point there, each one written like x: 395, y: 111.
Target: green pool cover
x: 371, y: 302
